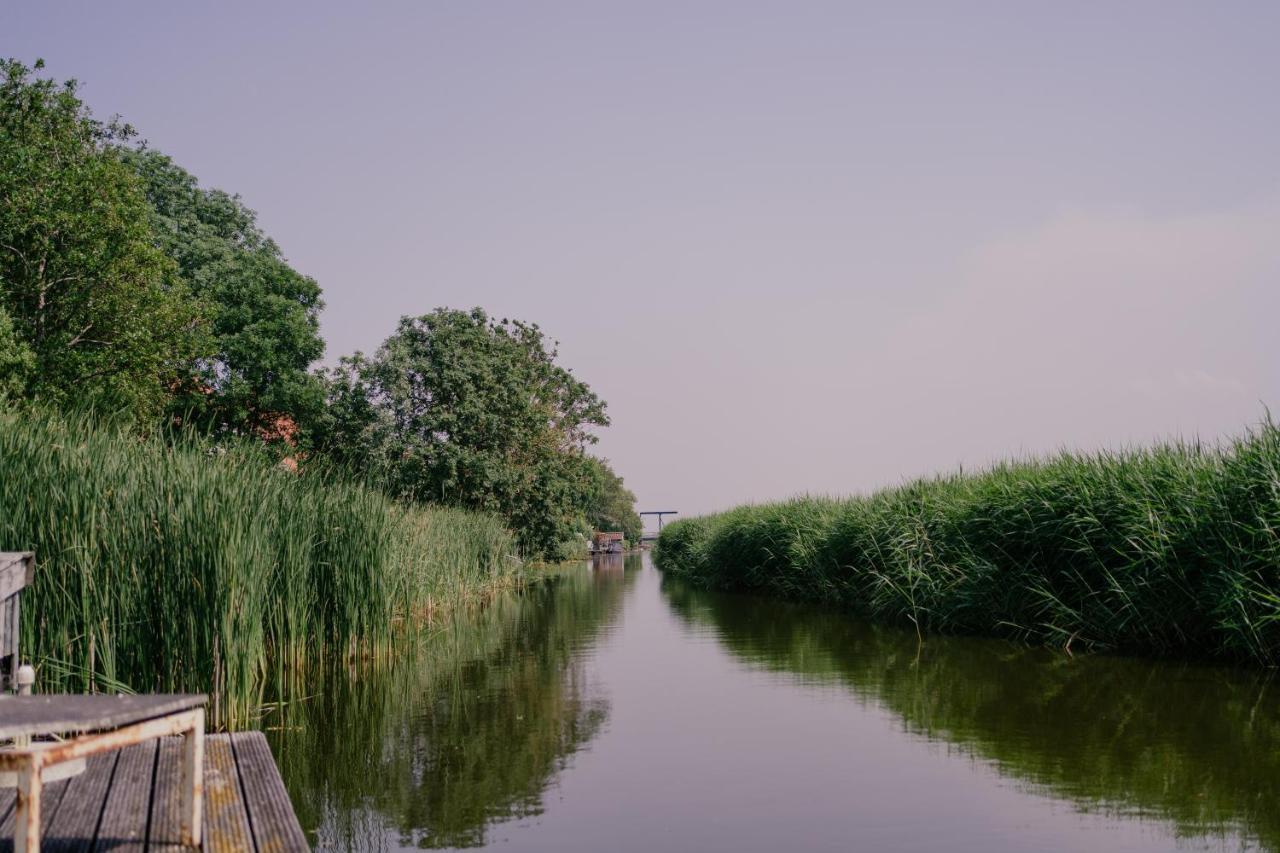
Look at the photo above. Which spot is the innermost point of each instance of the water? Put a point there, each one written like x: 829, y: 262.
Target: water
x: 612, y: 709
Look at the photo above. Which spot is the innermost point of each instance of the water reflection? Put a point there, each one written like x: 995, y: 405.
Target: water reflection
x: 721, y: 722
x: 466, y: 730
x: 1193, y: 745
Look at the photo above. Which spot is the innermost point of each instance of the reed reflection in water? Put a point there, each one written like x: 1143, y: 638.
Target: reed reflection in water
x: 1195, y: 745
x: 612, y: 708
x: 465, y: 730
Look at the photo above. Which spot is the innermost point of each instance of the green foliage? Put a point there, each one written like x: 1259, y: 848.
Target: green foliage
x: 16, y: 359
x: 610, y: 505
x: 1173, y: 550
x: 459, y: 409
x: 170, y: 564
x: 101, y: 310
x: 264, y: 315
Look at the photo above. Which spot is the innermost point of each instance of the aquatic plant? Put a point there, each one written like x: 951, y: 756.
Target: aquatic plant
x: 171, y: 564
x: 1172, y: 550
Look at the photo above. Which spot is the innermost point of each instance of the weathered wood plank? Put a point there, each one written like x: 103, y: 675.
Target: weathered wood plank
x: 8, y: 796
x: 17, y: 571
x: 75, y: 826
x: 166, y: 803
x: 131, y: 800
x: 61, y: 714
x: 6, y: 825
x: 10, y: 610
x: 128, y: 804
x: 51, y: 798
x: 271, y: 816
x: 226, y: 820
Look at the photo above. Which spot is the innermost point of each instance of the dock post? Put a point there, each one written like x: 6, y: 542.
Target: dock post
x: 27, y: 826
x: 193, y: 781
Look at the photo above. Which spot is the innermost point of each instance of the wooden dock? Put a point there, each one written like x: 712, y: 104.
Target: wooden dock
x: 128, y: 800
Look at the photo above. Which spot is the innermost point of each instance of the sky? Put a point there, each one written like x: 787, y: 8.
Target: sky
x: 799, y: 247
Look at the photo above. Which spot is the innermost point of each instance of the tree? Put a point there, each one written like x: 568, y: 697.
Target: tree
x: 610, y: 505
x: 459, y: 409
x: 264, y: 315
x: 101, y: 311
x: 16, y: 359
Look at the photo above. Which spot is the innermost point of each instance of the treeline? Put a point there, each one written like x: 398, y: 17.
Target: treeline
x: 127, y: 288
x: 1173, y: 550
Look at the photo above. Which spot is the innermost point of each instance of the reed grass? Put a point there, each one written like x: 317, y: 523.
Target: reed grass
x: 1172, y: 550
x: 169, y: 564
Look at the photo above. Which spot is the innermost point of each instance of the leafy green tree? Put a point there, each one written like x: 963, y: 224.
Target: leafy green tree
x: 101, y: 310
x: 459, y: 409
x: 264, y: 315
x: 16, y: 359
x: 610, y: 505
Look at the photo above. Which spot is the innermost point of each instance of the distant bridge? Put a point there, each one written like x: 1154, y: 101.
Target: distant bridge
x: 650, y: 537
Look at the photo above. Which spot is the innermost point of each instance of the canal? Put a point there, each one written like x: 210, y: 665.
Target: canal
x: 612, y: 709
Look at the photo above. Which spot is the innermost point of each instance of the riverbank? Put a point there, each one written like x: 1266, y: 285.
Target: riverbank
x: 175, y: 565
x: 1171, y: 551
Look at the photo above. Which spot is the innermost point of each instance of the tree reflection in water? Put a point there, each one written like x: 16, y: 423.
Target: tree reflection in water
x: 465, y: 730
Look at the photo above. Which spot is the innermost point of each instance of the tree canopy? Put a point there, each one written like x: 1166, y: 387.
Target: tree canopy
x: 461, y: 409
x: 610, y: 505
x: 263, y: 314
x: 102, y: 312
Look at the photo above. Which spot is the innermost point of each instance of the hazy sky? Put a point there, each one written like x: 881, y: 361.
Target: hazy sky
x: 798, y: 246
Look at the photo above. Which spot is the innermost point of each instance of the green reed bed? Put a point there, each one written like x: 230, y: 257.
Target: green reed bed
x: 168, y: 564
x: 1173, y: 550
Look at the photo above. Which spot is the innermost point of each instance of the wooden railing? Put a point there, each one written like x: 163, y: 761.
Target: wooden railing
x: 17, y: 571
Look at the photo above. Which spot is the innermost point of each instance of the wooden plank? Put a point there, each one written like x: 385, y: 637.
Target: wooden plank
x: 128, y: 804
x: 17, y: 571
x: 226, y: 820
x: 8, y: 796
x: 61, y: 714
x: 9, y: 634
x: 166, y: 799
x: 271, y: 816
x: 51, y: 797
x: 74, y: 827
x: 131, y: 799
x: 7, y: 823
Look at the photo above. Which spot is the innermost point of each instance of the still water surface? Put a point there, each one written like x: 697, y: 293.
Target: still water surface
x: 613, y: 709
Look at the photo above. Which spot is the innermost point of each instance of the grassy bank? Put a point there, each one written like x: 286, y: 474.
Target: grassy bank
x: 1174, y: 550
x: 172, y: 565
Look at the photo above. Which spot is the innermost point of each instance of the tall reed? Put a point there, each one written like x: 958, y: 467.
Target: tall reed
x: 169, y: 564
x: 1173, y: 550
